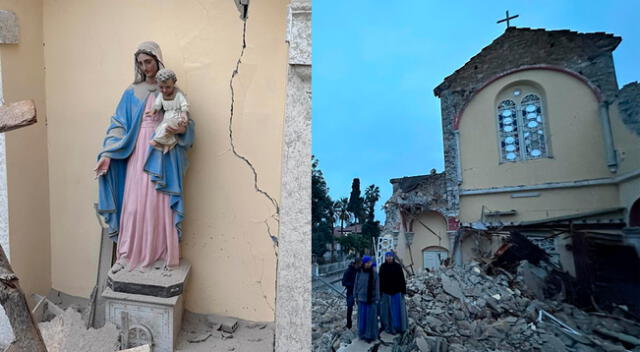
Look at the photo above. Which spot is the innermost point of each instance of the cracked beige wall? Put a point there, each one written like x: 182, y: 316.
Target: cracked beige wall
x: 88, y: 52
x: 26, y: 151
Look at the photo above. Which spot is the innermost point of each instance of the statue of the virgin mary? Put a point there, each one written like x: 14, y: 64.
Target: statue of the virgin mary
x: 140, y: 188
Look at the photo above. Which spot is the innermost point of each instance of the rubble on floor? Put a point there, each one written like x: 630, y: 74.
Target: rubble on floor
x: 67, y: 332
x: 204, y: 333
x: 463, y: 309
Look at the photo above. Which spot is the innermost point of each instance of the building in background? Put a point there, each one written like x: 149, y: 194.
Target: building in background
x: 539, y: 139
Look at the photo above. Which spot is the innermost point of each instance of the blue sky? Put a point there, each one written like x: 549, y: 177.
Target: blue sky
x: 375, y: 64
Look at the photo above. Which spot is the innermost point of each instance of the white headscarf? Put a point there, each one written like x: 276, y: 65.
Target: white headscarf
x: 149, y: 48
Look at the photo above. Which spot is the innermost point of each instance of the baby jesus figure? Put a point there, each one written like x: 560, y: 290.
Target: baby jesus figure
x: 175, y: 107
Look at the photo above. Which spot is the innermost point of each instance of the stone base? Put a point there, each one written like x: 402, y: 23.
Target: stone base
x: 145, y: 319
x: 152, y: 281
x: 147, y: 305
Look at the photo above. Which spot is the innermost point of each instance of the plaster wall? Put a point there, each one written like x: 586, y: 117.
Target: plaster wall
x: 627, y: 144
x: 573, y: 129
x: 23, y: 77
x: 89, y: 46
x: 422, y: 239
x: 549, y: 203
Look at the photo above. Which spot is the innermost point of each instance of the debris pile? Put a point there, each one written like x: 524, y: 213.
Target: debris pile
x: 67, y: 333
x: 463, y: 309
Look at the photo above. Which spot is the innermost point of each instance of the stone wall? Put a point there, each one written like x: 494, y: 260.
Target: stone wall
x: 629, y: 103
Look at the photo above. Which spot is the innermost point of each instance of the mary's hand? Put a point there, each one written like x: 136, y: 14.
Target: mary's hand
x: 103, y: 166
x: 149, y: 113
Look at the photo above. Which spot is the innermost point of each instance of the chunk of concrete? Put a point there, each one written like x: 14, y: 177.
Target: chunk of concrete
x: 9, y: 29
x: 451, y: 287
x: 229, y: 325
x: 145, y: 348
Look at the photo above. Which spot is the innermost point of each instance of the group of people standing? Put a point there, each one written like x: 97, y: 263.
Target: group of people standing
x: 379, y: 295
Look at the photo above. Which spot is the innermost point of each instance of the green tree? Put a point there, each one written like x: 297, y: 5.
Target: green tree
x: 354, y: 243
x: 321, y: 211
x: 371, y: 227
x: 342, y: 211
x: 371, y: 197
x: 356, y: 202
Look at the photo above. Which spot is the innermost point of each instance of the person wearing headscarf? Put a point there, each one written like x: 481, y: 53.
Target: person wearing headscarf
x: 140, y: 188
x: 393, y: 311
x: 367, y: 295
x: 349, y: 281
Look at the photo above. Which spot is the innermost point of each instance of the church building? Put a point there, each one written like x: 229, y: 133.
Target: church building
x: 540, y: 139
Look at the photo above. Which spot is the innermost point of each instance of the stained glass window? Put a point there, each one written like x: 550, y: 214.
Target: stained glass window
x: 521, y: 128
x: 533, y: 133
x: 508, y: 126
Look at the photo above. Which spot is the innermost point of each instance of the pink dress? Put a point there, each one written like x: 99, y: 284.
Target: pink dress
x: 147, y: 232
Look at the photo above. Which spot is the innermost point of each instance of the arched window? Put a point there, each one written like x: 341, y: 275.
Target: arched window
x: 508, y: 130
x: 521, y: 129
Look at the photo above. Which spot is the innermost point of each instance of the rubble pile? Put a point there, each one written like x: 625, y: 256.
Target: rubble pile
x: 67, y: 333
x: 463, y: 309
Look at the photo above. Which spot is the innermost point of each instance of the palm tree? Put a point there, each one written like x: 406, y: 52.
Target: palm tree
x: 343, y: 213
x: 371, y: 196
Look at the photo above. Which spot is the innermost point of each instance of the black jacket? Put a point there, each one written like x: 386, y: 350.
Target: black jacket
x: 392, y: 279
x: 349, y: 279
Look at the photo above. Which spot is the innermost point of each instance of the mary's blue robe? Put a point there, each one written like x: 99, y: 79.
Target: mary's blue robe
x: 166, y: 170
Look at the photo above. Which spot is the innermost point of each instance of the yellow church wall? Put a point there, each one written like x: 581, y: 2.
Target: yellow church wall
x: 26, y: 151
x: 550, y: 203
x: 627, y: 145
x: 573, y: 129
x: 423, y: 239
x: 89, y: 46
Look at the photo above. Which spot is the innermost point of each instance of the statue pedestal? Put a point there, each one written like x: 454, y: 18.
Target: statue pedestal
x: 147, y: 306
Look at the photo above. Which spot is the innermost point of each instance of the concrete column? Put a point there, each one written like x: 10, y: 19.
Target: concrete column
x: 607, y: 133
x: 293, y: 288
x: 454, y: 247
x: 9, y: 34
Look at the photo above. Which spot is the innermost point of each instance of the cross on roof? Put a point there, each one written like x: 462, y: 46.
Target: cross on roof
x: 507, y: 19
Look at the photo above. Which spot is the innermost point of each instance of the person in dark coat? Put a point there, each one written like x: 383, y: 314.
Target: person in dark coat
x: 393, y: 311
x: 367, y: 295
x: 349, y: 281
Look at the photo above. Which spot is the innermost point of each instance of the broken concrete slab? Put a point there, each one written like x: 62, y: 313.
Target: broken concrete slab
x: 9, y: 28
x: 619, y: 336
x: 67, y: 332
x: 17, y: 115
x: 360, y: 346
x: 423, y: 345
x: 145, y: 348
x: 451, y: 287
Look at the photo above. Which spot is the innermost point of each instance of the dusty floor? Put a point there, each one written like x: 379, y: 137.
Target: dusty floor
x: 199, y: 332
x: 249, y: 336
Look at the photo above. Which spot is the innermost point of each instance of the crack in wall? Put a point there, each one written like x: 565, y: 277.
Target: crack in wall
x: 275, y: 215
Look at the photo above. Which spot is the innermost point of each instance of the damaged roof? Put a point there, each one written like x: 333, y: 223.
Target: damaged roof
x: 409, y: 183
x: 519, y: 47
